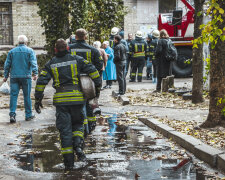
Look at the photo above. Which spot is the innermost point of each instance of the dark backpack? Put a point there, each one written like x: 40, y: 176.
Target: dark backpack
x: 171, y: 51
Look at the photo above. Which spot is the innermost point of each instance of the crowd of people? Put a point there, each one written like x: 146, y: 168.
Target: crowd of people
x: 111, y: 61
x: 136, y: 53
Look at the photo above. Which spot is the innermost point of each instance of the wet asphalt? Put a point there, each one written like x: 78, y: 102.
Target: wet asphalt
x: 114, y: 151
x: 117, y: 149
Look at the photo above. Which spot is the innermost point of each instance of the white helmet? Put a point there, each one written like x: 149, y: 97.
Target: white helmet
x: 139, y: 34
x: 114, y: 31
x: 156, y: 33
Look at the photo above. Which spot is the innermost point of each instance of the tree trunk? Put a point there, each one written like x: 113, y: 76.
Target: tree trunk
x: 197, y: 63
x: 217, y: 80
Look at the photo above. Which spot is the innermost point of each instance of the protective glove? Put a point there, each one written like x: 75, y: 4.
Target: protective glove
x: 38, y: 104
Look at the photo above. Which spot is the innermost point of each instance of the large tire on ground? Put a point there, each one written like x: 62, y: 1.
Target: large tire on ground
x: 180, y: 68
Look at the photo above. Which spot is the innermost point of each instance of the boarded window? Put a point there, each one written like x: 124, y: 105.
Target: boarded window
x: 6, y: 37
x: 166, y: 6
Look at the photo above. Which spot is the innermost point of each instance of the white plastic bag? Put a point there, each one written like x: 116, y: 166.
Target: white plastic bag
x: 5, y: 88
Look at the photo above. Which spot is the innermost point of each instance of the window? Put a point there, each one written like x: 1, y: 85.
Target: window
x: 166, y: 6
x: 6, y: 37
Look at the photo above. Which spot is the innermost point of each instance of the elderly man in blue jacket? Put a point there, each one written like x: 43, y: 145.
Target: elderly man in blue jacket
x: 21, y: 62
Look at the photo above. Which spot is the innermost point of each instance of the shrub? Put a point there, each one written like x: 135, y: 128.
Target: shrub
x: 42, y: 59
x: 2, y: 59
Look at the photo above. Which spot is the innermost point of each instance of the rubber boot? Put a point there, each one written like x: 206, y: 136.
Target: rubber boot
x: 132, y: 79
x: 140, y: 79
x: 148, y: 76
x: 80, y: 154
x: 91, y: 126
x: 68, y: 161
x: 78, y: 145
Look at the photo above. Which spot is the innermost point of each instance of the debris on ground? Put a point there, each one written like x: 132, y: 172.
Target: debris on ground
x: 168, y: 100
x: 213, y: 136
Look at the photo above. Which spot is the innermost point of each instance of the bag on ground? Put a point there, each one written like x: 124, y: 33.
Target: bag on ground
x: 171, y: 51
x: 5, y: 88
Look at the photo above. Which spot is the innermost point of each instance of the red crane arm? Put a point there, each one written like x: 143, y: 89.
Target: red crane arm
x: 189, y: 6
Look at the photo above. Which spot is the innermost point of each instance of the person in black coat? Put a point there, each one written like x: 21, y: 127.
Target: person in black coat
x: 163, y: 65
x: 120, y: 56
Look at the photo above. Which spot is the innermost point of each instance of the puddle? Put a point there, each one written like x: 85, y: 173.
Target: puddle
x: 114, y: 151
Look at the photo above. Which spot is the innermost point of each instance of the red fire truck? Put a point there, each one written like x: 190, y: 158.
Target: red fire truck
x: 181, y: 30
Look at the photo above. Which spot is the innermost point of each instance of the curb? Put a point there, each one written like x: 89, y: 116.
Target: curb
x: 206, y: 153
x: 122, y: 99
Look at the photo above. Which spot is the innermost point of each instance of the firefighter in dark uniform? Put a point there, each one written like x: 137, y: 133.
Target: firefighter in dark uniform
x: 116, y: 31
x: 129, y: 58
x: 139, y: 52
x: 65, y: 70
x: 152, y: 48
x: 92, y: 55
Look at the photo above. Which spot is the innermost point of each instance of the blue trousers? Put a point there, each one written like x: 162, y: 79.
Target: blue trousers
x: 25, y: 84
x: 149, y: 67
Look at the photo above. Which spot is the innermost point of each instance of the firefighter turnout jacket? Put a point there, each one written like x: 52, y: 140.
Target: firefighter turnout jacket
x: 139, y: 49
x: 65, y: 71
x: 89, y: 53
x: 152, y: 48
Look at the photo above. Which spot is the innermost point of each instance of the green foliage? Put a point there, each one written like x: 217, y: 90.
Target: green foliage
x: 62, y: 17
x: 221, y: 101
x: 42, y: 59
x: 188, y: 61
x: 207, y: 68
x: 55, y: 20
x: 211, y: 31
x: 79, y: 12
x: 103, y: 15
x: 2, y: 59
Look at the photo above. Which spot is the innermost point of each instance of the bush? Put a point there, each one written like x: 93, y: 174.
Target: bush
x: 42, y: 59
x: 2, y: 59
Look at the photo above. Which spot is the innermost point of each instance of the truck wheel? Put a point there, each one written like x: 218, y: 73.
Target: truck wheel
x: 180, y: 68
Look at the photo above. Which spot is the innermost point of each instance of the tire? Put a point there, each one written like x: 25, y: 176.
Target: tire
x: 180, y: 68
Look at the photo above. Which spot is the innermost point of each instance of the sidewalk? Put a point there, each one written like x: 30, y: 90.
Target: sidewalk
x: 164, y: 109
x: 170, y: 113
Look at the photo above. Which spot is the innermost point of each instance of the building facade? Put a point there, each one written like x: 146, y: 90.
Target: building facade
x: 20, y: 17
x: 143, y: 14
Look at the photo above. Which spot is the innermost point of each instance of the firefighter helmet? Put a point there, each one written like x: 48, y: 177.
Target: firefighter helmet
x: 139, y: 34
x: 156, y: 33
x: 114, y: 31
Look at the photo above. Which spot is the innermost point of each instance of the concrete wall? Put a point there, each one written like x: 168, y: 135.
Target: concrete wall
x: 143, y: 15
x: 26, y: 21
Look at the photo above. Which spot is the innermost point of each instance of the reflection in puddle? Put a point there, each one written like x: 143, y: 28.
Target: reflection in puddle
x: 114, y: 151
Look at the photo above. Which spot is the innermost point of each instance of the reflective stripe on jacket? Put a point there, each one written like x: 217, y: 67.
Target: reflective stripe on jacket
x: 89, y: 53
x: 65, y: 72
x: 139, y: 49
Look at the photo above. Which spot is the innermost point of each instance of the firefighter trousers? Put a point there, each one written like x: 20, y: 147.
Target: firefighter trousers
x: 91, y: 118
x: 69, y: 122
x: 137, y: 66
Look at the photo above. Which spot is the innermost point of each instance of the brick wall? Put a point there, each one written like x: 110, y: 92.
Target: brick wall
x: 26, y: 21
